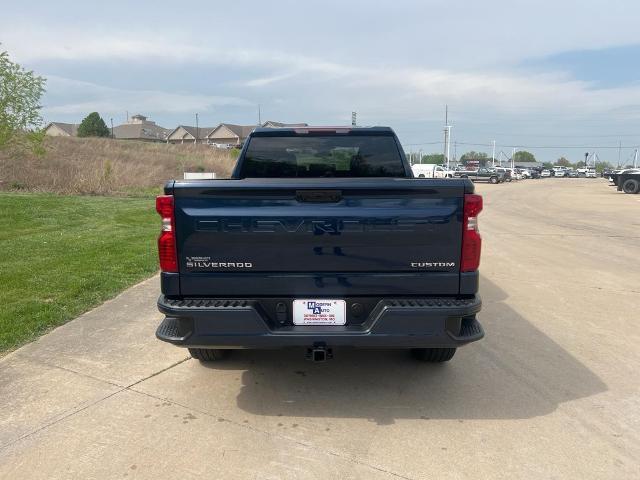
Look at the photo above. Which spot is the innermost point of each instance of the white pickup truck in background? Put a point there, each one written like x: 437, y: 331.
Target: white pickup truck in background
x: 430, y: 170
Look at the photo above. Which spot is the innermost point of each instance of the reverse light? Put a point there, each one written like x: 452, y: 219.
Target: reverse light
x: 471, y: 240
x: 167, y: 240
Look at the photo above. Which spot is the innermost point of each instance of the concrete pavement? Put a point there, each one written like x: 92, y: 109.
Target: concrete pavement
x: 551, y: 392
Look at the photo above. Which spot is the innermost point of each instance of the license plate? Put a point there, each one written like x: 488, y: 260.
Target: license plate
x: 319, y: 312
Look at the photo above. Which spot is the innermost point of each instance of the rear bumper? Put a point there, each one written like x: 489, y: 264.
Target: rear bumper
x: 394, y: 323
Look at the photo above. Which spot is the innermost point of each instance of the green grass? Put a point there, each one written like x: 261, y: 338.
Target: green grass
x: 62, y: 255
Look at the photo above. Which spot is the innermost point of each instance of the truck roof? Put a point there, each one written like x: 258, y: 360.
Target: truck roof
x: 343, y: 129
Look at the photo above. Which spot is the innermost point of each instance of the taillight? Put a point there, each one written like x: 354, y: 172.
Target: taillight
x: 471, y: 241
x: 167, y: 240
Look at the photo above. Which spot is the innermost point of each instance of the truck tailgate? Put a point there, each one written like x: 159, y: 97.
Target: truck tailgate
x: 328, y: 236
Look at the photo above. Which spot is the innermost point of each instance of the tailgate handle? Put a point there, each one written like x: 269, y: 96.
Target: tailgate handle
x: 319, y: 196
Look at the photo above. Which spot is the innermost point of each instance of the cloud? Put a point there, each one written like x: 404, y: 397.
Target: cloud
x: 279, y: 72
x: 66, y: 93
x: 263, y: 81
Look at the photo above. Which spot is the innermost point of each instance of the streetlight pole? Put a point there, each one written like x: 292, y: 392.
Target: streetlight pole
x: 493, y: 154
x: 447, y: 136
x: 197, y: 130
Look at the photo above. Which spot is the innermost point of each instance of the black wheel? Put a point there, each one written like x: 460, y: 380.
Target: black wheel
x: 493, y: 180
x: 434, y: 355
x: 209, y: 354
x: 421, y: 176
x: 631, y: 186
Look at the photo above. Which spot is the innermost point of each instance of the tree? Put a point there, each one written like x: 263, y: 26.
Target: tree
x: 600, y: 166
x: 93, y: 126
x: 547, y: 165
x: 20, y: 92
x: 473, y: 156
x: 563, y: 162
x: 523, y: 156
x: 437, y: 158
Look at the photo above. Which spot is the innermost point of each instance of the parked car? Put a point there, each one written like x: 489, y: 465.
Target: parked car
x: 559, y: 171
x: 606, y: 172
x: 629, y: 182
x: 591, y: 173
x: 505, y: 172
x: 321, y: 238
x: 482, y: 175
x: 572, y: 173
x: 545, y: 173
x: 529, y: 173
x: 535, y: 173
x: 426, y: 170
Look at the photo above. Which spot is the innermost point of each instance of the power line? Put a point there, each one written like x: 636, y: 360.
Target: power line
x: 542, y: 135
x: 550, y: 146
x: 423, y: 143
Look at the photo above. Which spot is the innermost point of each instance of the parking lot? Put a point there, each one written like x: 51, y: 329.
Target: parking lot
x: 551, y: 392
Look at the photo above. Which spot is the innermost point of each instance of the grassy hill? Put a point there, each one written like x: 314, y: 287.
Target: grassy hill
x: 100, y: 166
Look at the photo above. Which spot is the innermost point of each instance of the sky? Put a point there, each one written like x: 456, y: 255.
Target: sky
x: 555, y: 78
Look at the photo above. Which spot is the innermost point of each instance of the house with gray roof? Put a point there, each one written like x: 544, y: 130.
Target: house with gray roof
x: 59, y: 129
x: 138, y: 127
x: 188, y: 134
x: 229, y: 134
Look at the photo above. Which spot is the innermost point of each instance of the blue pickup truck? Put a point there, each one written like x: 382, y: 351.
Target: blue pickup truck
x: 322, y: 238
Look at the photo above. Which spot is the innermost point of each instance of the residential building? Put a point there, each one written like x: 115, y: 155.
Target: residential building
x: 59, y: 129
x: 138, y: 127
x: 187, y: 134
x: 228, y: 134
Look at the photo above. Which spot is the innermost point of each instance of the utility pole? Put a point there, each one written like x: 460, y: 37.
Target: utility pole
x: 493, y: 154
x: 619, y: 151
x: 259, y: 116
x: 197, y: 129
x: 635, y: 158
x: 112, y: 129
x: 447, y: 135
x: 354, y: 116
x: 513, y: 157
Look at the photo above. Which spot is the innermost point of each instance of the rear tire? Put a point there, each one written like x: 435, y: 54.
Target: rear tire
x: 209, y: 354
x: 493, y: 180
x: 433, y: 355
x: 631, y: 186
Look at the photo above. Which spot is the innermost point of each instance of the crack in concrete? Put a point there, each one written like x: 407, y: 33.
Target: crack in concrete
x: 274, y: 435
x: 75, y: 410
